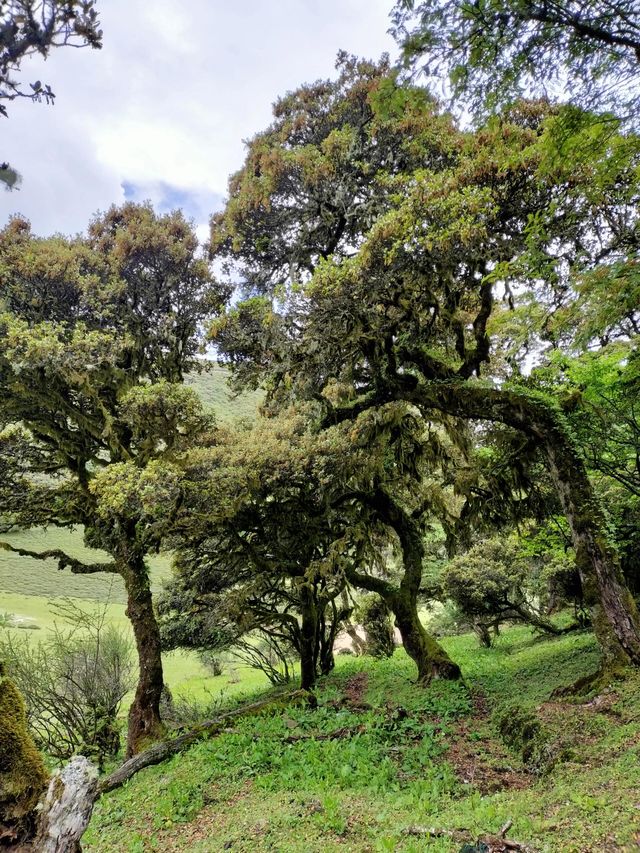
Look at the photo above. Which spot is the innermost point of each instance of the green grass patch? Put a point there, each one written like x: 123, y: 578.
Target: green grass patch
x: 213, y: 389
x: 380, y: 758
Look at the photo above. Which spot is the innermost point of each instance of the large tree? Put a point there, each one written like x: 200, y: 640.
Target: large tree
x: 275, y: 521
x: 96, y: 334
x: 405, y: 309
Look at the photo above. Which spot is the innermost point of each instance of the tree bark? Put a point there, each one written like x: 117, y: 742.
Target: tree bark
x: 144, y: 724
x: 428, y: 655
x: 67, y: 807
x: 430, y: 658
x: 308, y: 638
x: 613, y: 611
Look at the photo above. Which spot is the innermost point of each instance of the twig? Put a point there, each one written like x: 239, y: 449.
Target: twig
x: 506, y: 828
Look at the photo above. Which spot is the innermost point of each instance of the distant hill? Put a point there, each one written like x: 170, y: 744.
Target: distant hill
x: 216, y: 396
x: 26, y: 576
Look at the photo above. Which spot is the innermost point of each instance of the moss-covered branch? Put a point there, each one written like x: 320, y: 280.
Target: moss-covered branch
x: 64, y: 560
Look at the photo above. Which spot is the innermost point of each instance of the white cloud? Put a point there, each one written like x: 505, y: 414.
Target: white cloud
x: 169, y: 99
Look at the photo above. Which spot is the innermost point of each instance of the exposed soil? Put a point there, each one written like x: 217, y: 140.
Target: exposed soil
x: 355, y: 689
x: 481, y: 760
x: 485, y: 764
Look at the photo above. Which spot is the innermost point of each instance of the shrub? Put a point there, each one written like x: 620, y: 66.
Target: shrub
x: 73, y: 683
x: 375, y: 618
x: 493, y: 583
x: 211, y: 662
x: 262, y: 651
x: 23, y: 776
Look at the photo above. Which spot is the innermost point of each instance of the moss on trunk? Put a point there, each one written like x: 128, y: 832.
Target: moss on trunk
x: 23, y: 776
x: 615, y: 619
x: 145, y: 724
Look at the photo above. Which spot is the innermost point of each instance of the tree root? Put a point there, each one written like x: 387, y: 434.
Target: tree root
x: 593, y: 683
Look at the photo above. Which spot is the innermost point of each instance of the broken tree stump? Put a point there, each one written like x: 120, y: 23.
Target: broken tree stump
x: 67, y: 807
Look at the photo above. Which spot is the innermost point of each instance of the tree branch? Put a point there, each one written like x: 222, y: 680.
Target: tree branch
x: 64, y: 560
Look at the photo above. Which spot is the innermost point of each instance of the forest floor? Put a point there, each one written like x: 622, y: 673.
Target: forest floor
x: 384, y: 765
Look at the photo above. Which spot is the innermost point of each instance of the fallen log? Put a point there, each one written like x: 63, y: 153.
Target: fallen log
x: 166, y: 749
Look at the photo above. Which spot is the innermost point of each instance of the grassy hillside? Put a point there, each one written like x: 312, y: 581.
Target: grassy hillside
x: 28, y: 576
x: 214, y: 392
x: 383, y: 765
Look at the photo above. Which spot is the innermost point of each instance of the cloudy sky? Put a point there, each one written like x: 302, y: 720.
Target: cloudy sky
x: 161, y: 111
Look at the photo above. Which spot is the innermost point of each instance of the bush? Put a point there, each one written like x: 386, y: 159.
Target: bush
x: 261, y: 651
x: 493, y: 583
x: 73, y: 683
x: 375, y: 618
x: 446, y: 620
x: 211, y: 662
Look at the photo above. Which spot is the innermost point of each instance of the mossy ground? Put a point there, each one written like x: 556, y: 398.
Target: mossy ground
x: 404, y: 759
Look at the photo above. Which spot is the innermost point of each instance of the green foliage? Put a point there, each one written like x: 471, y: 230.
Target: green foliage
x: 74, y: 682
x: 96, y: 335
x: 494, y: 582
x: 232, y: 792
x: 523, y: 732
x: 405, y: 304
x: 375, y: 617
x: 271, y: 523
x: 493, y: 53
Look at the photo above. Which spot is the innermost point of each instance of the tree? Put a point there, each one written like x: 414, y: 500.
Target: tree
x: 259, y: 545
x: 600, y: 392
x: 407, y: 312
x: 28, y: 27
x: 495, y: 51
x: 492, y: 583
x: 278, y: 519
x: 95, y: 337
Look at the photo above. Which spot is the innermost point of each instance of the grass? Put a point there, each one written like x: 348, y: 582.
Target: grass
x: 184, y: 673
x: 28, y: 576
x: 403, y: 759
x: 407, y: 759
x: 216, y: 396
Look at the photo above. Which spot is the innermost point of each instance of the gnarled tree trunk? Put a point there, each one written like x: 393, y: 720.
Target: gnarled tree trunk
x: 144, y: 715
x: 428, y: 655
x: 23, y: 775
x: 613, y: 611
x: 430, y: 658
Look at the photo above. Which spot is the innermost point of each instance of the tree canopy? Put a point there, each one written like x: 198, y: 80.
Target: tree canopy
x: 478, y: 225
x: 492, y: 52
